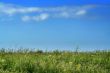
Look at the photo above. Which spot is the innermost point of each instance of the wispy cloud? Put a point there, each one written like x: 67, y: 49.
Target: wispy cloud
x: 42, y: 13
x: 40, y: 17
x: 26, y: 18
x: 81, y: 12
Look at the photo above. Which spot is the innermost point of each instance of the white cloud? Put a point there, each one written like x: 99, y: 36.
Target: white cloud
x: 40, y: 17
x: 65, y: 14
x: 81, y: 12
x: 13, y: 9
x: 40, y: 14
x: 26, y: 18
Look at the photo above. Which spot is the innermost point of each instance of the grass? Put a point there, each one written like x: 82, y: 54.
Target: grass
x: 54, y: 62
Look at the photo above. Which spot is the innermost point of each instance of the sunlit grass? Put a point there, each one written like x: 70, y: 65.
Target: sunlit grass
x: 54, y: 62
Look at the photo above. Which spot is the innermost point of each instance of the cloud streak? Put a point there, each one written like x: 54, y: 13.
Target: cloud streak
x: 40, y: 17
x: 43, y: 13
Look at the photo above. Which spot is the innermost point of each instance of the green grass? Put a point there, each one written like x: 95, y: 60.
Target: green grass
x: 54, y: 62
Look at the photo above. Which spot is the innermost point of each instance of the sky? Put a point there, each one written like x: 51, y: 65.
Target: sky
x: 55, y: 24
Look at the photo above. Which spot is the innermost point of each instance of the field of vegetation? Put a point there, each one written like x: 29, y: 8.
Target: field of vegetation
x: 24, y: 61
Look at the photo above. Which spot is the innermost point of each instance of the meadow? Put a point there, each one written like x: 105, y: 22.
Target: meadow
x: 24, y: 61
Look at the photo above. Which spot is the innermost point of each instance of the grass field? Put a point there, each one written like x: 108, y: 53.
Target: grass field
x: 54, y: 62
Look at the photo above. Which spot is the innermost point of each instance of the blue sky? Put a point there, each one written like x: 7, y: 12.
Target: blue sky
x: 58, y: 24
